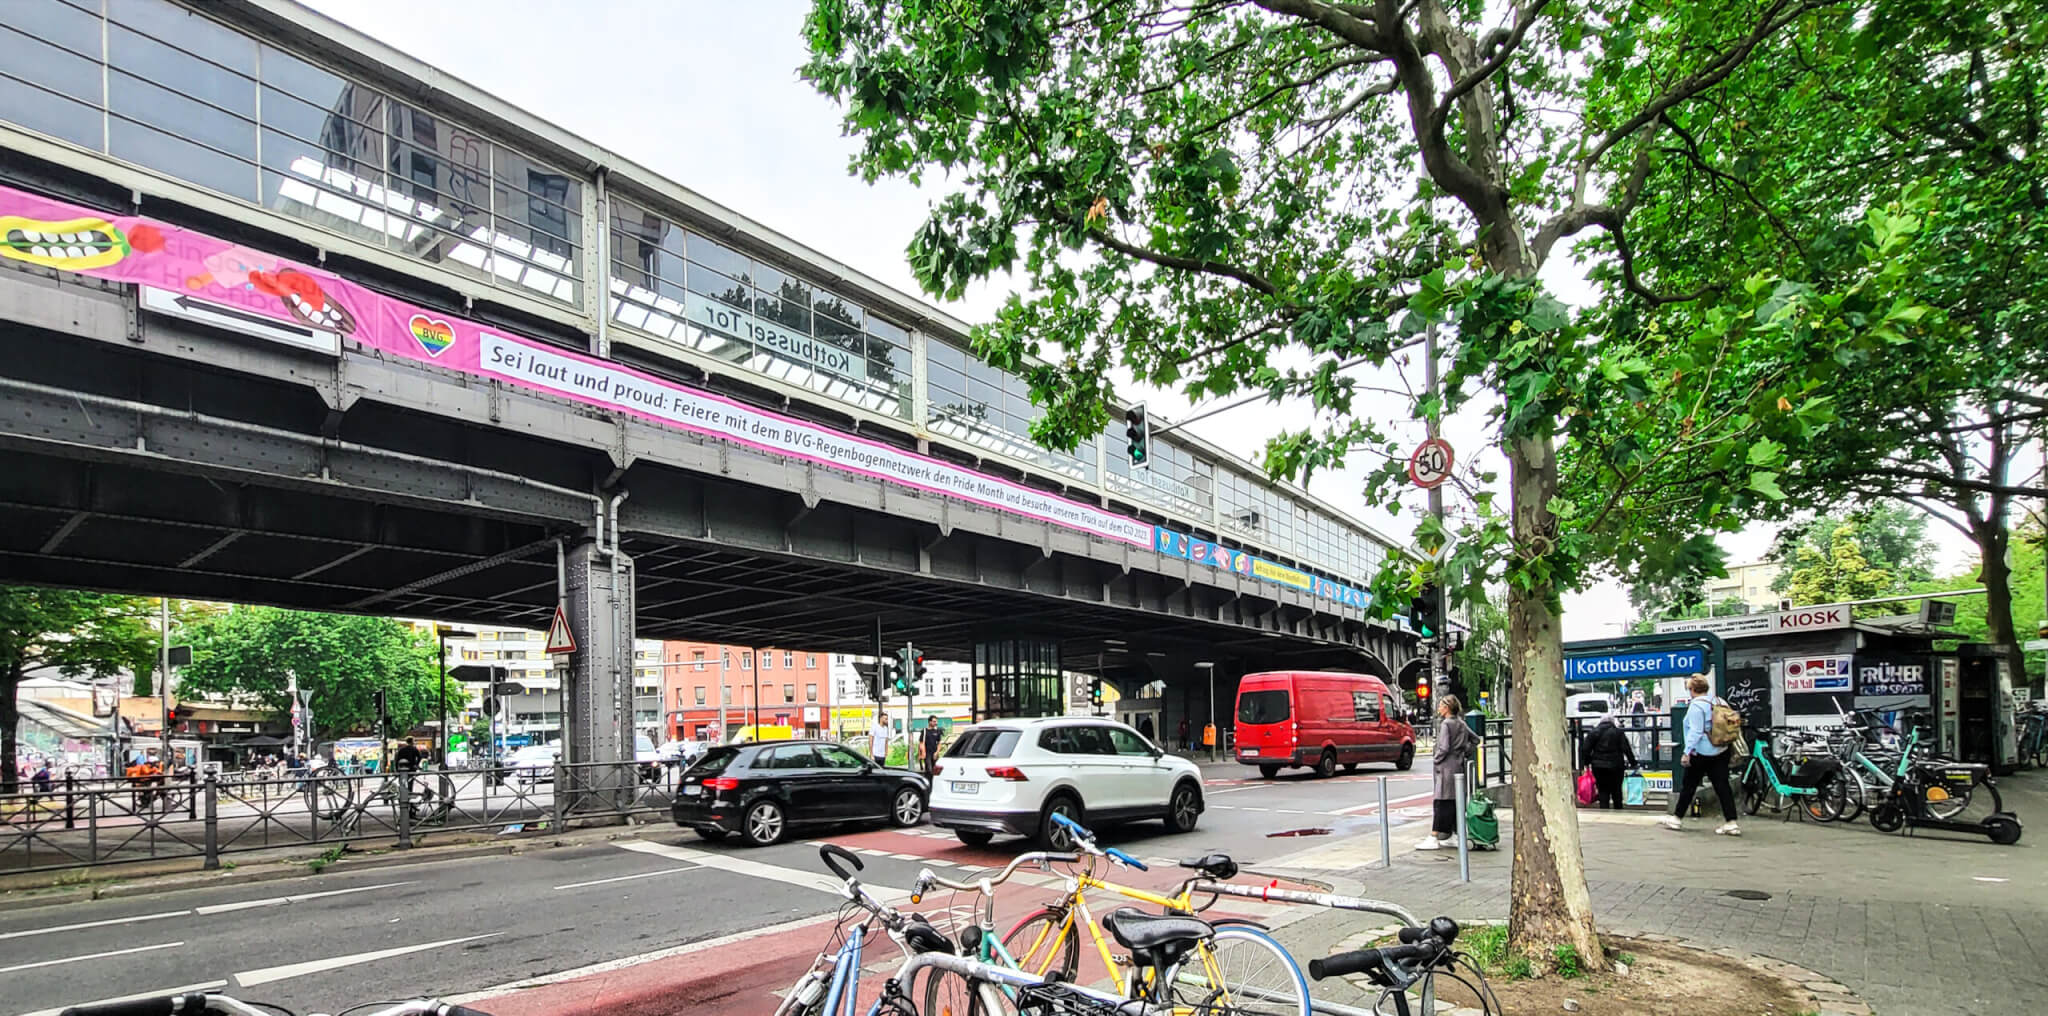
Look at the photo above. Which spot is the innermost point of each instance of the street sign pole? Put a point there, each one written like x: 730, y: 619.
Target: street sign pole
x: 1436, y: 491
x: 163, y: 691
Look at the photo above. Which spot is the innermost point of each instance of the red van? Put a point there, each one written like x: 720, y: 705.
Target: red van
x: 1320, y: 720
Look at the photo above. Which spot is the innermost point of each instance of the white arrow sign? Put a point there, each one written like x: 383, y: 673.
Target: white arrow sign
x: 235, y: 319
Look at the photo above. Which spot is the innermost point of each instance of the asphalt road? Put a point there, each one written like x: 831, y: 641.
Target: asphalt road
x: 326, y: 942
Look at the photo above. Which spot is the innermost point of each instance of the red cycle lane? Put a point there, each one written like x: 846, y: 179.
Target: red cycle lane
x: 745, y: 974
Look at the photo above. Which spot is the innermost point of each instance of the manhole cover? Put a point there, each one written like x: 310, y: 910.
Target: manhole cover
x: 1748, y: 894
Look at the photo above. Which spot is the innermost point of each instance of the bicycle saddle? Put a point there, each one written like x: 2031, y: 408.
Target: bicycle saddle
x: 1214, y: 865
x: 1154, y: 940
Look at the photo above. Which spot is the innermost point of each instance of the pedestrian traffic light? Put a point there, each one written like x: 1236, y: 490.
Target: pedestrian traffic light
x: 1426, y: 611
x: 909, y: 669
x: 1138, y: 429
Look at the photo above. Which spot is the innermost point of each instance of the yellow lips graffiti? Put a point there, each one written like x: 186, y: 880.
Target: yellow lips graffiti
x: 74, y: 245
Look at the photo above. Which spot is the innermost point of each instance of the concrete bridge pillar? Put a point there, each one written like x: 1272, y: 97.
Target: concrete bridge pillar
x: 599, y: 688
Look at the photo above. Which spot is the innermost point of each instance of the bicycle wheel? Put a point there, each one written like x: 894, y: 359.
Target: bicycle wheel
x: 1853, y: 794
x: 946, y: 993
x: 1828, y: 800
x: 1044, y: 946
x: 1243, y: 972
x: 1753, y: 791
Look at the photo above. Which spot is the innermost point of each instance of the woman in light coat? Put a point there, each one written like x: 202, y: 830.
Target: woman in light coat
x: 1455, y: 744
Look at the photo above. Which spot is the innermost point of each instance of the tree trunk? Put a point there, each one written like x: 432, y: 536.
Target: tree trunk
x: 1995, y: 571
x: 1549, y: 904
x: 10, y: 719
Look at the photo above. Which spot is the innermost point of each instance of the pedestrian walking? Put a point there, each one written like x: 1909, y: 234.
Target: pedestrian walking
x: 1455, y: 744
x: 1187, y: 736
x: 1705, y: 760
x: 931, y: 745
x: 41, y: 781
x: 1609, y: 754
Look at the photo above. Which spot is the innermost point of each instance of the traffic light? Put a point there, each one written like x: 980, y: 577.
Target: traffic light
x: 1426, y: 611
x: 1094, y: 691
x: 1138, y: 430
x: 1422, y: 688
x: 909, y: 670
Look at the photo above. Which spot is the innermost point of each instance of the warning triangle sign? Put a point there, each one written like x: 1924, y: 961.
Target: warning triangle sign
x: 559, y: 639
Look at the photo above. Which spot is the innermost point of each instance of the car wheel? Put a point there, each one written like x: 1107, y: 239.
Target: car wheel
x: 1326, y: 766
x: 1052, y: 835
x: 765, y: 824
x: 1268, y: 772
x: 1407, y: 759
x: 710, y: 833
x: 974, y: 837
x: 1184, y: 809
x: 908, y: 807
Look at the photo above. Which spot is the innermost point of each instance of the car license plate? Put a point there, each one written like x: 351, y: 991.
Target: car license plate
x: 692, y: 791
x: 966, y: 787
x: 1248, y: 751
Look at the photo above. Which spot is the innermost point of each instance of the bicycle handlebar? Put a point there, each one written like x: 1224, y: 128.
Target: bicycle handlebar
x: 832, y: 854
x: 1389, y: 965
x: 927, y: 878
x: 166, y: 1005
x: 1086, y: 841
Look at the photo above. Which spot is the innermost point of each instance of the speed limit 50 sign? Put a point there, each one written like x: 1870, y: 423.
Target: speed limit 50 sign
x: 1430, y: 465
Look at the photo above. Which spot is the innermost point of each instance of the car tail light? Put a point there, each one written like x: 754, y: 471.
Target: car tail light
x: 723, y: 783
x: 1011, y: 773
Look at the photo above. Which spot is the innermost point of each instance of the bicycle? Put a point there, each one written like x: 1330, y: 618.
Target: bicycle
x: 831, y: 985
x: 1824, y: 787
x: 1238, y: 963
x: 197, y: 1003
x: 978, y: 941
x: 1160, y: 947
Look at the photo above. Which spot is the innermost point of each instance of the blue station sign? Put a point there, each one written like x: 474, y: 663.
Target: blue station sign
x: 1623, y: 666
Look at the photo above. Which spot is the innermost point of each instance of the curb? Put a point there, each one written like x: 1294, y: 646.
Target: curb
x: 278, y: 869
x: 1825, y: 995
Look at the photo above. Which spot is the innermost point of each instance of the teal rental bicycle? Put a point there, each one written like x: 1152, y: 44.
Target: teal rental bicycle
x: 1819, y: 788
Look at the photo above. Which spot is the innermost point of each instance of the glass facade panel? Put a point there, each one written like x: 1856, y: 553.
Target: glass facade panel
x: 1018, y: 678
x: 186, y: 94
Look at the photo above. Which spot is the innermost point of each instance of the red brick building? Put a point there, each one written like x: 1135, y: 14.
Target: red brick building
x: 794, y: 688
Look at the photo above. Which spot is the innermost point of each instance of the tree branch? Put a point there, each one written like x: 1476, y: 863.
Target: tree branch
x: 1779, y: 14
x: 1506, y: 51
x: 1245, y: 275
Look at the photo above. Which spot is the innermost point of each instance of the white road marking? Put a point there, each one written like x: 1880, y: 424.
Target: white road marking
x: 626, y: 961
x: 183, y: 989
x: 626, y: 878
x: 279, y: 901
x: 1987, y: 878
x: 755, y: 869
x: 89, y: 956
x: 93, y: 924
x: 1363, y: 808
x: 268, y: 975
x: 904, y: 857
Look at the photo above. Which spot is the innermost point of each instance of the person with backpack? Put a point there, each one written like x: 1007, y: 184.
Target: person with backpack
x: 1608, y: 753
x: 1712, y: 727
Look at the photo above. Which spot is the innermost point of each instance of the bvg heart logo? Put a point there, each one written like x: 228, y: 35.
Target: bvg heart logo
x: 434, y: 336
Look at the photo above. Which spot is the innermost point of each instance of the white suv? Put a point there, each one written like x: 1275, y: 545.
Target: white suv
x: 1012, y: 776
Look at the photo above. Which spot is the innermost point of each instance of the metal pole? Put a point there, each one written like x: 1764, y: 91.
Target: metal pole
x: 723, y: 655
x: 1464, y: 840
x: 754, y: 655
x: 163, y: 691
x: 1216, y: 735
x: 441, y: 634
x: 212, y: 824
x: 909, y: 696
x: 1386, y: 828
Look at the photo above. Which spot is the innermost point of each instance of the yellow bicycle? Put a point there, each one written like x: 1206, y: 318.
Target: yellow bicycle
x: 1239, y: 971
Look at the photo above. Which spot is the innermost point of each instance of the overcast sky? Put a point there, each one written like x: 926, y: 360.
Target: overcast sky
x: 707, y: 93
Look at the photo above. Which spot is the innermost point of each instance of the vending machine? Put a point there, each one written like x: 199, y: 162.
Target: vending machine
x: 1984, y: 708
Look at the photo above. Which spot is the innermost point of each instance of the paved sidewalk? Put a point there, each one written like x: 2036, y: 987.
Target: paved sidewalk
x: 1917, y: 926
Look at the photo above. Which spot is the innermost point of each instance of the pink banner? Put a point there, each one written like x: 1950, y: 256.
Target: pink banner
x: 219, y: 276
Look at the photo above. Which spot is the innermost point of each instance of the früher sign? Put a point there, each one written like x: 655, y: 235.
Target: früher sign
x: 1825, y: 617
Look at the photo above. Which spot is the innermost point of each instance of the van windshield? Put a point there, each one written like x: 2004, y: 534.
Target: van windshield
x: 1262, y: 707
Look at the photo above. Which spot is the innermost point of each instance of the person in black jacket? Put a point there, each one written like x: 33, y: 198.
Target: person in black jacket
x: 1607, y: 751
